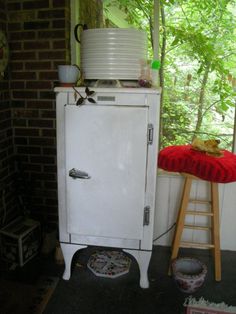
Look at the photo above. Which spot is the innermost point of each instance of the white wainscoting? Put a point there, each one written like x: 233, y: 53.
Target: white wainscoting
x: 169, y: 188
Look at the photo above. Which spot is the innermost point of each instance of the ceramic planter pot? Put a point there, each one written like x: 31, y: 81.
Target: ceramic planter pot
x: 189, y: 274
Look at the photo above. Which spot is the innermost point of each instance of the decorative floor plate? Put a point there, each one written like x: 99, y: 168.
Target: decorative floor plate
x: 110, y: 264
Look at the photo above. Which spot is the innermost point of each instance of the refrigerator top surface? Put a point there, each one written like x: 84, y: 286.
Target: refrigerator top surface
x: 107, y: 87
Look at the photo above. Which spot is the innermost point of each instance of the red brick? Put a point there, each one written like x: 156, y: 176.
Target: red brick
x: 52, y: 55
x: 36, y: 45
x: 15, y: 45
x: 47, y: 95
x: 25, y: 94
x: 4, y: 85
x: 17, y: 84
x: 50, y: 193
x: 5, y: 143
x: 50, y: 75
x: 20, y: 140
x: 5, y: 114
x: 39, y: 65
x: 50, y: 168
x: 4, y: 124
x: 39, y: 85
x: 59, y: 24
x: 60, y: 44
x: 26, y: 132
x: 41, y: 141
x: 14, y: 26
x: 36, y: 4
x: 51, y: 14
x: 25, y: 113
x: 23, y: 55
x: 33, y: 168
x: 23, y: 75
x: 14, y: 6
x: 49, y: 151
x: 44, y: 176
x: 22, y: 35
x: 59, y: 3
x: 49, y: 132
x: 50, y: 201
x: 51, y: 213
x: 48, y: 114
x: 52, y: 34
x: 18, y: 104
x: 28, y: 150
x: 3, y: 172
x: 42, y: 160
x: 41, y: 123
x: 16, y: 66
x: 40, y: 104
x: 19, y: 122
x: 36, y: 25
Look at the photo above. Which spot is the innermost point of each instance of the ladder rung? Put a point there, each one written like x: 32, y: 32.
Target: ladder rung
x: 207, y: 228
x: 196, y: 245
x: 199, y: 201
x: 197, y: 212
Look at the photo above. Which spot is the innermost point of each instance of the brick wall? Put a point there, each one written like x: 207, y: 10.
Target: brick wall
x: 39, y: 40
x: 7, y: 165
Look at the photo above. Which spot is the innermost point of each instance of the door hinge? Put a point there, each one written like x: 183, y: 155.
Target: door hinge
x: 146, y: 215
x: 150, y: 133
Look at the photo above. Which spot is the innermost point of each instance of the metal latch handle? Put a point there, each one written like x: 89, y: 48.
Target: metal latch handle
x: 78, y: 174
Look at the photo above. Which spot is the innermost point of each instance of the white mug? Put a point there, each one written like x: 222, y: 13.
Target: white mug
x: 68, y: 73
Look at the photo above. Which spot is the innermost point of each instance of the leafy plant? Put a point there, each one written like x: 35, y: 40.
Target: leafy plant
x: 82, y: 99
x: 198, y: 78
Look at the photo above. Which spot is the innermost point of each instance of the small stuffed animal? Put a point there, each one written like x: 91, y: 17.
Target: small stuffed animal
x: 210, y: 147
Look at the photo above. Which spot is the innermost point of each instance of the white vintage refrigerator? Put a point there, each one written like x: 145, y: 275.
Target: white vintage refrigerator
x: 107, y: 162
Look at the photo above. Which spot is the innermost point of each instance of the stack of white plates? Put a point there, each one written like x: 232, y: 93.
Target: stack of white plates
x: 113, y: 53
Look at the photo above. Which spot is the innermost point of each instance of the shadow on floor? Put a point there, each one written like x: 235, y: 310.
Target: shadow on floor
x: 24, y: 289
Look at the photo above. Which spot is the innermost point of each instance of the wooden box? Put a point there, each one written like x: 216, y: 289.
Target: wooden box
x: 20, y: 240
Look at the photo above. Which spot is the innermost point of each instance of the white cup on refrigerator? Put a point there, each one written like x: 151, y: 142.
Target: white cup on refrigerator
x: 68, y: 74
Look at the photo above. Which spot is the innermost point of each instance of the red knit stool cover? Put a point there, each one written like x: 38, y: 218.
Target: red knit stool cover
x: 182, y: 158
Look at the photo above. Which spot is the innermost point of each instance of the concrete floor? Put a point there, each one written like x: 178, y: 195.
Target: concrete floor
x: 86, y: 293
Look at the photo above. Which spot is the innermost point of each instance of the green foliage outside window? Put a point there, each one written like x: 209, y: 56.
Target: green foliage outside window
x: 198, y: 72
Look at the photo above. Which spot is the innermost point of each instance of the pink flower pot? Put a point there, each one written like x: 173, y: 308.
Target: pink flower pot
x: 189, y: 274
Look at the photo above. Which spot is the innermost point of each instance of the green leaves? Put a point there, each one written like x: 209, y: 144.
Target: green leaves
x: 82, y: 99
x: 196, y: 37
x: 89, y: 92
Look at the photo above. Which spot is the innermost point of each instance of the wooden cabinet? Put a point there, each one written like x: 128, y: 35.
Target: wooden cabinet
x: 107, y: 161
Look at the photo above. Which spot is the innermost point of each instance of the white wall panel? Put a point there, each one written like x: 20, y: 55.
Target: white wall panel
x: 168, y: 196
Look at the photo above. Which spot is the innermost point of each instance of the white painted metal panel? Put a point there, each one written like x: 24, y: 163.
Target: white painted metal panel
x: 101, y: 141
x: 227, y: 201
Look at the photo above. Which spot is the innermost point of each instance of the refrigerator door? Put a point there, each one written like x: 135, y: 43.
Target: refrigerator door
x: 106, y: 148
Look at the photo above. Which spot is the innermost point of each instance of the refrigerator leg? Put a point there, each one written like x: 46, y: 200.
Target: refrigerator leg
x: 68, y: 251
x: 143, y: 259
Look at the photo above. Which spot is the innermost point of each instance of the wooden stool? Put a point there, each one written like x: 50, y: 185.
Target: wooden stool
x: 213, y: 213
x: 196, y: 165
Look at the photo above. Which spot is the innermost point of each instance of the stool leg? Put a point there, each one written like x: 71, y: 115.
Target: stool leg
x: 216, y: 230
x: 180, y: 220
